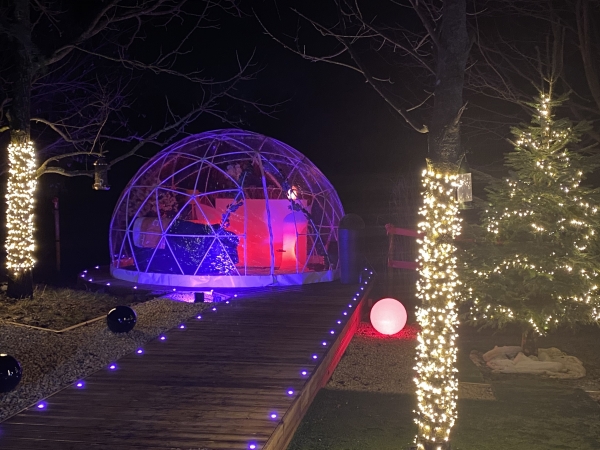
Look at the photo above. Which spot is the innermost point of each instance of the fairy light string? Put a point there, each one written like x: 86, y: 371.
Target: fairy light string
x: 20, y: 202
x: 536, y: 265
x: 436, y: 379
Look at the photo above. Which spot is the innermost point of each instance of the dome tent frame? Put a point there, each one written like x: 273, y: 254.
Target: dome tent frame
x: 226, y: 208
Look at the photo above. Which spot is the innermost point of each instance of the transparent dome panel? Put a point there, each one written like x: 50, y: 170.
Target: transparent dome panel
x: 226, y: 203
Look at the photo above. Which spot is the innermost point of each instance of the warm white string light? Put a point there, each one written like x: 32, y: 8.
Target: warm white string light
x: 19, y: 214
x: 436, y: 380
x: 555, y: 219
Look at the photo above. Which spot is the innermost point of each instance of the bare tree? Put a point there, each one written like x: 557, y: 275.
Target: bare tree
x: 552, y: 45
x: 387, y: 42
x: 69, y: 85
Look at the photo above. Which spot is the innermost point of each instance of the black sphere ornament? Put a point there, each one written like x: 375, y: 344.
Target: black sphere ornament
x: 121, y: 319
x: 10, y: 373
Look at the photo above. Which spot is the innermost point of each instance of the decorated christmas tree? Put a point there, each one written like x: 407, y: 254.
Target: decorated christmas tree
x: 537, y: 258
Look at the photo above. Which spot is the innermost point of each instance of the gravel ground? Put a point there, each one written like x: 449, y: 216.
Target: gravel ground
x: 52, y: 361
x: 377, y: 363
x: 59, y: 308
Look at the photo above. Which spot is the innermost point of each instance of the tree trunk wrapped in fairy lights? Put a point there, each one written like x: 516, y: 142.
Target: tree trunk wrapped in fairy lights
x: 21, y: 164
x: 437, y: 315
x: 436, y: 352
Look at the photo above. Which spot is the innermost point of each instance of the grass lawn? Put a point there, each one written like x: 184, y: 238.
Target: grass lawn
x: 59, y: 308
x: 529, y: 413
x: 351, y: 420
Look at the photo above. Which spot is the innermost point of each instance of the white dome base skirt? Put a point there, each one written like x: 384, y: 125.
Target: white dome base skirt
x: 223, y: 281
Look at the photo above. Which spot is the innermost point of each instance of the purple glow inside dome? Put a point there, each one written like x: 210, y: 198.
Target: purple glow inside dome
x: 79, y: 384
x: 41, y: 405
x: 139, y: 351
x: 182, y: 326
x: 112, y: 366
x: 163, y: 338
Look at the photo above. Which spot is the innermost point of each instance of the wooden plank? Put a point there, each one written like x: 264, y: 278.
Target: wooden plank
x: 282, y: 436
x: 212, y: 385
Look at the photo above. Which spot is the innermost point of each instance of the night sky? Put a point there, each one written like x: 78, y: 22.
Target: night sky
x: 328, y: 113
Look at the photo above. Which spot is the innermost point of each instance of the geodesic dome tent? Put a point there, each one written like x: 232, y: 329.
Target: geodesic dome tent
x: 226, y: 208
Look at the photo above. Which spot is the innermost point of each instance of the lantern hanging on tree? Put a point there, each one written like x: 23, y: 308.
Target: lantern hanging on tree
x: 101, y: 175
x: 464, y: 191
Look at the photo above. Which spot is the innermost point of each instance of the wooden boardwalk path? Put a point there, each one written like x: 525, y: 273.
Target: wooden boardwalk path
x: 241, y: 377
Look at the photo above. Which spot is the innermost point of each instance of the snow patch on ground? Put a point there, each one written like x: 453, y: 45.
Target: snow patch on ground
x: 550, y: 362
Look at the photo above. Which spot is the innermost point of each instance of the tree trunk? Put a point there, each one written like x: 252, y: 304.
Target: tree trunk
x: 437, y: 387
x: 21, y: 170
x: 444, y: 128
x: 529, y: 342
x: 20, y: 285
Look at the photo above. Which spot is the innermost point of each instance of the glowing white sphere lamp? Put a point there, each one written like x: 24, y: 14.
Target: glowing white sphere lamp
x: 388, y: 316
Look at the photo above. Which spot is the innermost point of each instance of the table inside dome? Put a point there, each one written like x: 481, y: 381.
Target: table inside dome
x: 241, y: 377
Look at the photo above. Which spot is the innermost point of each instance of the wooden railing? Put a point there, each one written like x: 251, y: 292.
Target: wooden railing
x: 394, y: 231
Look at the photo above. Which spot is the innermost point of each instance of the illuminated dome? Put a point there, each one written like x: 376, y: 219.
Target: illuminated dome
x: 226, y: 208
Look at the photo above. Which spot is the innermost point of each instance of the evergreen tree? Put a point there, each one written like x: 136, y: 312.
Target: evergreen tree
x: 537, y: 260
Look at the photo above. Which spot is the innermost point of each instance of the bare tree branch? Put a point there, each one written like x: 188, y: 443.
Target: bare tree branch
x: 345, y: 54
x: 85, y: 95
